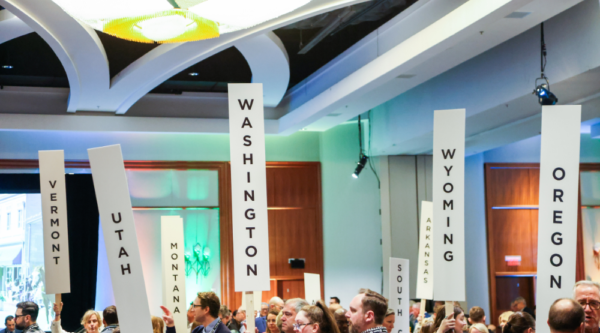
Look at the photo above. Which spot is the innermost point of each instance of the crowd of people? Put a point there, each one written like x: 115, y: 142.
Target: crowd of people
x: 367, y: 312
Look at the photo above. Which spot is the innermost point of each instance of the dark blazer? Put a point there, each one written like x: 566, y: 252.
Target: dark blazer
x: 221, y: 328
x: 15, y: 331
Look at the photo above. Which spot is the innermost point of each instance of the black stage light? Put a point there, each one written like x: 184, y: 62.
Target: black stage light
x: 542, y: 91
x: 361, y: 165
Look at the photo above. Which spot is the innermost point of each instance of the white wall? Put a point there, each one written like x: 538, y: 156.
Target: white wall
x: 351, y: 220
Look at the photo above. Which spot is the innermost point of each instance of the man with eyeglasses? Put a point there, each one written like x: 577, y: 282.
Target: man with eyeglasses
x: 587, y: 293
x: 25, y: 317
x: 206, y: 312
x: 290, y: 310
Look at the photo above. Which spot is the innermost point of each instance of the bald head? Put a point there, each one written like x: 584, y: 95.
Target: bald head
x: 566, y: 316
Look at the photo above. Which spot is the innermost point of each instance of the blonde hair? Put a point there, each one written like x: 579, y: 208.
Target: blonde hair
x: 158, y: 325
x: 88, y: 314
x: 480, y: 327
x: 504, y: 316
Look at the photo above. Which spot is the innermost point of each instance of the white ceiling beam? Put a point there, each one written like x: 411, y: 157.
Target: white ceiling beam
x: 77, y: 46
x: 11, y: 27
x: 269, y: 63
x: 464, y: 21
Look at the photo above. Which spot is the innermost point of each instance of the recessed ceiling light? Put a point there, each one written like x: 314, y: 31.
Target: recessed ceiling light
x: 334, y: 114
x: 405, y: 76
x: 193, y: 74
x: 7, y: 66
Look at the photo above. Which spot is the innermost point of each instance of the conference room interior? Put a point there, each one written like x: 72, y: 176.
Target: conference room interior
x: 350, y: 88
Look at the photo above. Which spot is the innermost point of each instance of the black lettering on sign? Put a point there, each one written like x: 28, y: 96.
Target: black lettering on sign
x: 399, y: 278
x: 250, y: 269
x: 558, y: 194
x: 174, y: 256
x: 556, y: 240
x: 56, y: 247
x: 53, y: 222
x: 556, y: 260
x: 448, y: 153
x: 175, y: 288
x: 448, y: 170
x: 52, y: 185
x: 248, y: 159
x: 123, y: 269
x: 55, y: 235
x: 174, y: 267
x: 448, y: 256
x: 250, y: 230
x: 247, y: 141
x: 448, y: 221
x: 53, y: 210
x: 449, y: 239
x: 557, y: 216
x: 554, y: 281
x: 173, y: 245
x: 53, y: 197
x: 175, y: 276
x: 399, y: 290
x: 399, y: 312
x: 248, y: 195
x: 246, y: 123
x: 122, y: 252
x: 113, y: 217
x: 119, y: 232
x: 56, y: 260
x: 449, y: 204
x: 399, y: 268
x: 448, y: 187
x: 248, y: 176
x: 250, y: 214
x: 251, y: 249
x: 246, y: 104
x: 175, y: 299
x: 176, y: 310
x: 558, y: 173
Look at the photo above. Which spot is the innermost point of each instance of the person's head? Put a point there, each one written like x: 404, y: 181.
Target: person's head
x: 276, y: 303
x: 109, y: 316
x: 587, y: 293
x: 341, y: 320
x: 459, y: 317
x: 519, y: 322
x: 415, y: 309
x: 389, y: 320
x: 91, y: 321
x: 290, y: 310
x: 334, y: 300
x: 478, y: 328
x: 224, y: 314
x: 519, y: 303
x: 367, y: 310
x: 9, y: 322
x: 566, y: 316
x: 26, y: 315
x: 334, y: 307
x: 206, y: 307
x: 158, y: 325
x: 272, y: 321
x: 240, y: 315
x: 503, y: 319
x: 315, y: 319
x: 264, y: 309
x: 476, y: 315
x: 191, y: 314
x: 513, y: 306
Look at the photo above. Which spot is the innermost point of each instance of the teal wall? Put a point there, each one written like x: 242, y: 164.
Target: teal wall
x: 300, y: 146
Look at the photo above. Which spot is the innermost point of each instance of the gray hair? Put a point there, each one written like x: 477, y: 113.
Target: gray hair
x: 275, y: 300
x: 586, y: 283
x: 520, y: 300
x: 298, y: 303
x: 263, y: 303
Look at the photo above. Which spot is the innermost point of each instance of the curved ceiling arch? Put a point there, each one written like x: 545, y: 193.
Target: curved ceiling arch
x: 12, y: 27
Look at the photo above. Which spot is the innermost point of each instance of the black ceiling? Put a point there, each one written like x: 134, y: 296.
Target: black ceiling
x: 35, y: 64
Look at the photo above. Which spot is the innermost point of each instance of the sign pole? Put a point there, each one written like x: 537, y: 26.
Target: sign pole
x: 250, y: 312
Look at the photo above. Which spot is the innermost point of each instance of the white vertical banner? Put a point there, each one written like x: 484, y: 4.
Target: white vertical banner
x: 54, y: 216
x: 248, y: 187
x: 400, y: 294
x: 425, y: 272
x: 449, y: 204
x: 312, y: 288
x: 559, y: 195
x: 173, y: 269
x: 118, y: 229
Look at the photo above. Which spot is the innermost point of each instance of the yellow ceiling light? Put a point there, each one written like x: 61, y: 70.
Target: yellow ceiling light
x: 174, y: 21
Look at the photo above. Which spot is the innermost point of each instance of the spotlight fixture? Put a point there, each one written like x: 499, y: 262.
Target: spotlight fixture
x: 542, y: 91
x: 360, y: 165
x: 7, y: 66
x: 193, y: 74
